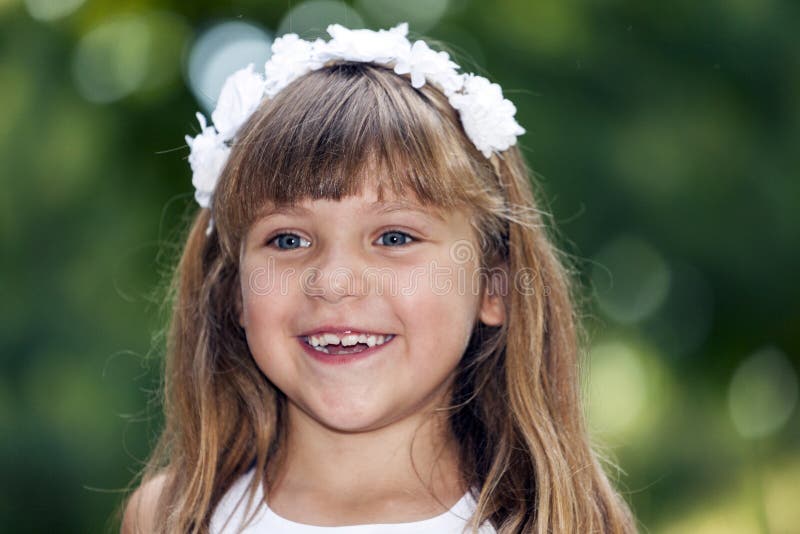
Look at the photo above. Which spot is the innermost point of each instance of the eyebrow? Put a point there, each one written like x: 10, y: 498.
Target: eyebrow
x: 376, y: 207
x: 403, y: 205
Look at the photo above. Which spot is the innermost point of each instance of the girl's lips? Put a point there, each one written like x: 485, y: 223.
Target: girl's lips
x: 336, y: 359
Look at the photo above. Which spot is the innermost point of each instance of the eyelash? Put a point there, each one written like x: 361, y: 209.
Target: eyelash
x: 410, y: 239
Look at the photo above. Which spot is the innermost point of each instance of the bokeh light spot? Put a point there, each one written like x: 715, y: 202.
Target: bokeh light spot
x: 219, y: 52
x: 631, y: 279
x: 111, y: 60
x: 617, y: 387
x: 762, y: 393
x: 46, y: 10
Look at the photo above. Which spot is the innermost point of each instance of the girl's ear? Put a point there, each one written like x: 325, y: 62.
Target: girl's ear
x: 493, y: 309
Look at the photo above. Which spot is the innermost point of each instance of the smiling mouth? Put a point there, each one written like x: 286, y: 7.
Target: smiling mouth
x: 346, y: 346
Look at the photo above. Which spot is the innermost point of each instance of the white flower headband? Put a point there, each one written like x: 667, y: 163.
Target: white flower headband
x: 487, y: 117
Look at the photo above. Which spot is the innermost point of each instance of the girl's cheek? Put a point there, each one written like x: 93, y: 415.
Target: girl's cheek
x: 266, y: 279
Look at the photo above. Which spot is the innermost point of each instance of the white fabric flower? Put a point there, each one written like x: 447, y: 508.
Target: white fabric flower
x: 382, y: 47
x: 426, y: 64
x: 207, y: 158
x: 291, y: 58
x: 488, y: 118
x: 240, y: 96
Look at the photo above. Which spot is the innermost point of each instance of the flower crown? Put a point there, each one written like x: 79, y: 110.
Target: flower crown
x: 487, y: 117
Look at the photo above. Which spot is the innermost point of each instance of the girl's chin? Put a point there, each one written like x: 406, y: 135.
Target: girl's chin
x: 350, y: 418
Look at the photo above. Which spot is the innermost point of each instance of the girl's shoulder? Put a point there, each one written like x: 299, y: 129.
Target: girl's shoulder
x: 140, y: 509
x: 237, y: 510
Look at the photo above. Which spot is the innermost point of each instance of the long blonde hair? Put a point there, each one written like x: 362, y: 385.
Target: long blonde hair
x: 515, y: 407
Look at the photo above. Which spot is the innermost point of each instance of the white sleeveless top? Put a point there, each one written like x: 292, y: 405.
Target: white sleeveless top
x: 230, y: 515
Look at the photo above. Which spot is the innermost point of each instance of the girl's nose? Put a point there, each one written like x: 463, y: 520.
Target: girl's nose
x: 337, y: 275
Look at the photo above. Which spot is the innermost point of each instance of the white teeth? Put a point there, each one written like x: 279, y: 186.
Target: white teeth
x: 347, y: 340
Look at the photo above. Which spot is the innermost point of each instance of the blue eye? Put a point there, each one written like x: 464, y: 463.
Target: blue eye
x: 289, y: 241
x: 395, y: 238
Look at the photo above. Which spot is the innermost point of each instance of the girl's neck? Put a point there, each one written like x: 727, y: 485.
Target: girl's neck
x: 408, y: 470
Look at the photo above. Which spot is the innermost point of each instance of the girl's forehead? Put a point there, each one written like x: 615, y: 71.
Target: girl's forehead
x: 369, y: 200
x: 357, y: 205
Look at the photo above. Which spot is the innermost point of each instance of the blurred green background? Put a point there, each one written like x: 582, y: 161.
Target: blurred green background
x: 667, y: 139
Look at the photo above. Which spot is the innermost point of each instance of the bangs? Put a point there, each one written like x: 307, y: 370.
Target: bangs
x: 337, y: 129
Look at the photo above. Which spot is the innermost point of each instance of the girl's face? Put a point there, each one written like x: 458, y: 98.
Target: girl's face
x: 339, y: 272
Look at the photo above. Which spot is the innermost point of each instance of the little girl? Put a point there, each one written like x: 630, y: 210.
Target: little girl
x: 371, y: 330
